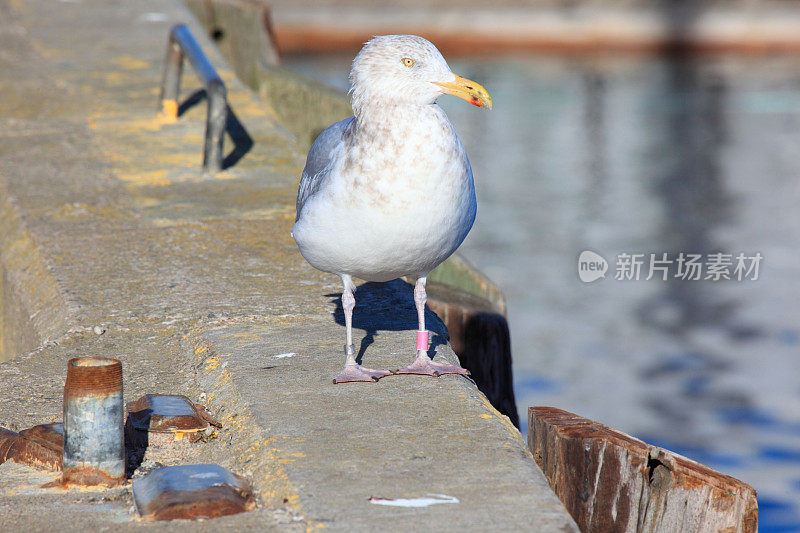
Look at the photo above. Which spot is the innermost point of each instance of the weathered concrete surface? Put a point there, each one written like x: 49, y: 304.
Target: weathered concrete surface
x: 107, y: 221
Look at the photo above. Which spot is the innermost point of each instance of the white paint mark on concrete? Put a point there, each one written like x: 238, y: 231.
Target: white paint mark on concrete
x: 431, y: 499
x: 282, y: 355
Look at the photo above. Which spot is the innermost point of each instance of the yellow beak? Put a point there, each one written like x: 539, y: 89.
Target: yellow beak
x: 468, y: 90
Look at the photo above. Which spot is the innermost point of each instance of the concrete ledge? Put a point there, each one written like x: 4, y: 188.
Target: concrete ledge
x: 35, y: 310
x: 126, y: 249
x: 323, y: 451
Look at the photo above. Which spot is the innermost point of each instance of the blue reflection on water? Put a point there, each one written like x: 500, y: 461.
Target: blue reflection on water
x: 777, y: 516
x: 707, y: 456
x: 696, y: 385
x: 748, y: 415
x: 527, y: 383
x: 534, y: 383
x: 789, y: 336
x: 780, y: 454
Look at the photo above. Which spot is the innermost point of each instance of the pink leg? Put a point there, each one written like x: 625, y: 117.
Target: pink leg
x: 423, y: 364
x: 352, y: 370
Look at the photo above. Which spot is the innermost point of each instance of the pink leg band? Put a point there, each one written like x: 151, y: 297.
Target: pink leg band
x: 422, y: 340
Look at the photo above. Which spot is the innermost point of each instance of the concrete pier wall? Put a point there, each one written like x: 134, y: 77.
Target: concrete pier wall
x: 115, y: 244
x: 32, y: 308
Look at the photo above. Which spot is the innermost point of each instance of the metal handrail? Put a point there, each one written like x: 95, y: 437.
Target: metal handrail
x: 183, y: 44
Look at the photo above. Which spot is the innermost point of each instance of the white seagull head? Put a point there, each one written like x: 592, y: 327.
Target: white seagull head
x: 407, y: 69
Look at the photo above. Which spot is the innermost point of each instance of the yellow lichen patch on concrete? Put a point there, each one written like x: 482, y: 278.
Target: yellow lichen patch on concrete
x: 224, y: 176
x: 46, y: 51
x: 287, y: 457
x: 270, y: 477
x: 150, y: 202
x: 80, y: 211
x: 151, y: 124
x: 247, y: 107
x: 224, y: 378
x: 163, y: 222
x: 277, y: 484
x: 494, y: 413
x: 115, y: 78
x: 153, y: 178
x: 195, y: 139
x: 486, y: 416
x: 242, y: 336
x: 234, y: 422
x: 105, y: 121
x: 116, y: 157
x: 183, y: 159
x: 284, y: 212
x: 129, y: 62
x: 18, y: 6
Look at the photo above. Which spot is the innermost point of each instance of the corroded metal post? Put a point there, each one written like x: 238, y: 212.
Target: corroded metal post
x: 171, y: 81
x: 94, y: 445
x: 183, y: 44
x: 216, y: 117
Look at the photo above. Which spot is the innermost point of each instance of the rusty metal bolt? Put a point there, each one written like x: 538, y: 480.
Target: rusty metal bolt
x: 94, y: 445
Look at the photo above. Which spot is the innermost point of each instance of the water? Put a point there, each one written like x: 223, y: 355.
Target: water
x: 644, y: 155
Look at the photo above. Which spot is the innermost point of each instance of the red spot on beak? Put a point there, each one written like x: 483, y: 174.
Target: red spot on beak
x: 475, y: 101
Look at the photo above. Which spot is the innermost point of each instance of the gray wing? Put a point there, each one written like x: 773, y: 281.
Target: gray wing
x: 319, y: 161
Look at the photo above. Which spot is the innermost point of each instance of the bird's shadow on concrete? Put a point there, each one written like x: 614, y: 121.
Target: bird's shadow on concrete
x: 242, y: 141
x: 388, y: 306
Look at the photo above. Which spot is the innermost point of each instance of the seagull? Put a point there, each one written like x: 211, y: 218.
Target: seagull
x: 388, y: 192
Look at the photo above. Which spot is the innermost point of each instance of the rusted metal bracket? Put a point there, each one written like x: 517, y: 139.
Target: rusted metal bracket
x: 191, y: 491
x: 183, y: 44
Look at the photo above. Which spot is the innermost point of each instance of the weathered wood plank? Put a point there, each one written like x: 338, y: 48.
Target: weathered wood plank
x: 610, y: 481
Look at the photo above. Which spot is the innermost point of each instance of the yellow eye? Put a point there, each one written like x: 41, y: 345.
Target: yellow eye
x: 407, y: 61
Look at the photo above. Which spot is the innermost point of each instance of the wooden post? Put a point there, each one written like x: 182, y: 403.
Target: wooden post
x: 610, y: 481
x: 479, y: 336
